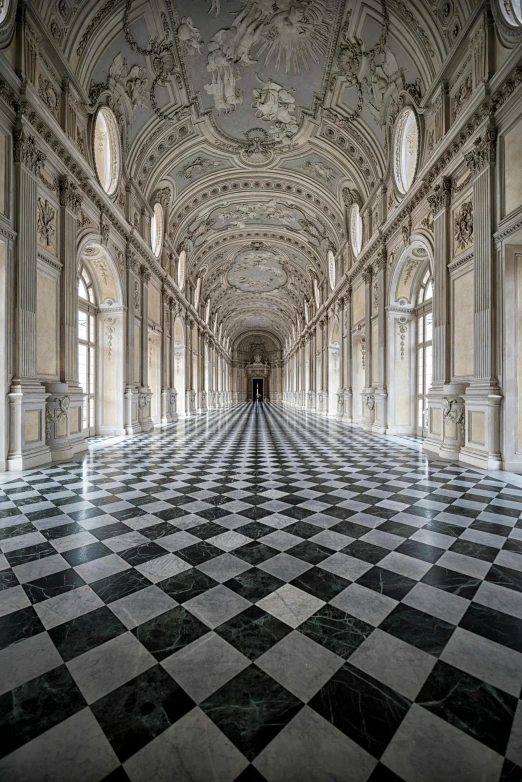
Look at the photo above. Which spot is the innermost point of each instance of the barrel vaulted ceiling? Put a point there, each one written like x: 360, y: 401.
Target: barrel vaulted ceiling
x: 256, y: 116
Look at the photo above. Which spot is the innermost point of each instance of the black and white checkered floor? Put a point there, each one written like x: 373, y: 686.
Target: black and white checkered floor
x: 260, y: 595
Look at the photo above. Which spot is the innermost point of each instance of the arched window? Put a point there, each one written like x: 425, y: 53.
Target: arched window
x: 182, y: 264
x: 107, y: 150
x: 356, y: 229
x: 306, y: 312
x: 197, y: 293
x: 4, y: 8
x: 317, y: 293
x: 156, y: 230
x: 331, y: 269
x: 207, y: 311
x: 87, y: 348
x: 424, y: 350
x: 512, y: 11
x: 406, y: 149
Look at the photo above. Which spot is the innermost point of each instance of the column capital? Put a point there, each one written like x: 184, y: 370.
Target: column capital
x: 70, y: 196
x: 381, y: 260
x: 483, y: 153
x: 162, y: 196
x: 351, y: 197
x: 27, y: 152
x: 441, y: 197
x: 145, y: 274
x: 367, y: 276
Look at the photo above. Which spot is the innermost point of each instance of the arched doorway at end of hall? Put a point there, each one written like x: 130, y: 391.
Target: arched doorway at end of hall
x: 257, y: 389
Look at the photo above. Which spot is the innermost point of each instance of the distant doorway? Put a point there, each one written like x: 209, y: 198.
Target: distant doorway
x: 257, y: 388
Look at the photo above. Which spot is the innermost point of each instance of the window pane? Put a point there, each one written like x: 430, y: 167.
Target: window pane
x: 82, y: 291
x: 429, y: 292
x: 420, y: 418
x: 92, y: 332
x: 429, y: 327
x: 82, y: 325
x: 420, y: 372
x: 91, y: 371
x: 429, y: 367
x: 421, y: 330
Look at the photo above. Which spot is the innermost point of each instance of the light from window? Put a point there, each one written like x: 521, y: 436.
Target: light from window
x: 182, y: 263
x: 207, y: 311
x: 356, y: 229
x: 512, y: 11
x: 156, y: 230
x: 306, y: 312
x: 4, y: 8
x: 331, y: 268
x: 107, y: 150
x: 317, y: 293
x: 85, y: 290
x: 197, y: 293
x: 406, y: 149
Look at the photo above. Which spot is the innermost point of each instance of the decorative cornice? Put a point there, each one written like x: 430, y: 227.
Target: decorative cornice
x: 54, y: 263
x: 461, y: 260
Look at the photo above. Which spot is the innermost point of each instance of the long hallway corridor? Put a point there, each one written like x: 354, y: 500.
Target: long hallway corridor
x: 260, y: 595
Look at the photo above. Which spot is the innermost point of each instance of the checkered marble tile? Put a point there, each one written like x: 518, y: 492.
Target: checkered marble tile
x: 260, y: 595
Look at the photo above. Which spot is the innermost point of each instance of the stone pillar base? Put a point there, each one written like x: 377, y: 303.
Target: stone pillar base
x: 27, y: 446
x: 482, y: 427
x: 348, y: 406
x: 131, y: 397
x: 64, y: 421
x: 368, y: 419
x: 202, y: 402
x: 144, y: 418
x: 380, y: 424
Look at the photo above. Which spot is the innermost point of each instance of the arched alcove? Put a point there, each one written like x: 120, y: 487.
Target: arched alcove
x: 179, y: 364
x: 334, y: 382
x: 101, y: 339
x: 409, y: 339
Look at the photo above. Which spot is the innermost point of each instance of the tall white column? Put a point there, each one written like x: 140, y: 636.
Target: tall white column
x: 483, y: 397
x: 27, y: 396
x: 145, y: 394
x: 347, y: 379
x: 380, y: 382
x: 367, y: 393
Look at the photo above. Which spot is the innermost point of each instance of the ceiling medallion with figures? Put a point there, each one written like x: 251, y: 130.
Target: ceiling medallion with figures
x: 260, y: 62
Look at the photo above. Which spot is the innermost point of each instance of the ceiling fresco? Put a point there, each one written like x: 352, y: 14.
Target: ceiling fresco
x: 257, y: 270
x: 258, y: 122
x: 257, y: 63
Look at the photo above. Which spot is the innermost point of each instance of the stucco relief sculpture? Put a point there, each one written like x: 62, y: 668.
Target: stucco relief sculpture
x: 275, y: 104
x: 463, y: 226
x: 319, y: 169
x: 46, y: 222
x: 283, y: 36
x: 198, y: 167
x: 257, y: 270
x: 189, y: 35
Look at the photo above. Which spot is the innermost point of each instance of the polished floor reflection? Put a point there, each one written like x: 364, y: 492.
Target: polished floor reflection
x: 260, y: 595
